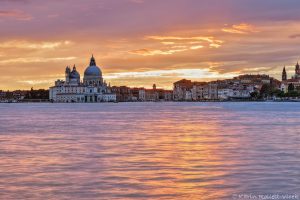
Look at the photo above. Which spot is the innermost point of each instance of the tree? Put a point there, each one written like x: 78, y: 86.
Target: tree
x: 292, y: 94
x: 291, y: 87
x: 266, y: 90
x: 277, y: 93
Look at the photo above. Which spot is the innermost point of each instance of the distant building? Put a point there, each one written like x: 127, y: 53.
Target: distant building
x: 182, y: 90
x: 199, y: 91
x: 92, y: 90
x: 293, y: 82
x: 123, y: 93
x: 127, y: 94
x: 2, y: 95
x: 240, y: 87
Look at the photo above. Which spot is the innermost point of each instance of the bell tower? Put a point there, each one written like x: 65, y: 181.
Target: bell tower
x: 284, y: 75
x: 67, y: 74
x: 297, y: 70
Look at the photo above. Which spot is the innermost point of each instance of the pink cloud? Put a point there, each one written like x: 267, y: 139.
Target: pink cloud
x: 15, y: 14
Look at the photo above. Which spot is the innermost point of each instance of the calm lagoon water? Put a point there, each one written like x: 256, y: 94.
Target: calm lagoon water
x: 149, y: 150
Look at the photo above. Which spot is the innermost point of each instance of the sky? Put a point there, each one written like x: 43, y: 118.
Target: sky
x: 141, y: 42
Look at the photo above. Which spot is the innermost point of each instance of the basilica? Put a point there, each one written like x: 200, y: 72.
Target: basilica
x: 92, y: 89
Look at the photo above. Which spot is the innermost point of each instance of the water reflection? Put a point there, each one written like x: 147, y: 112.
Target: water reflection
x: 148, y: 151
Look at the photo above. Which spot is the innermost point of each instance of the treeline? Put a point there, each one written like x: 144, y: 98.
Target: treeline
x: 37, y: 94
x: 268, y: 90
x: 24, y: 94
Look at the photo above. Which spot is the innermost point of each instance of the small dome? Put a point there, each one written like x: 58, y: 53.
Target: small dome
x: 74, y: 74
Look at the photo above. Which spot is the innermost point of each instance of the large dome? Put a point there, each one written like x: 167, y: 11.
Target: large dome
x: 93, y: 70
x: 93, y: 74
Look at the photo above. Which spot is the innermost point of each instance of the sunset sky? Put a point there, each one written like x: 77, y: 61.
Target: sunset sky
x: 141, y: 42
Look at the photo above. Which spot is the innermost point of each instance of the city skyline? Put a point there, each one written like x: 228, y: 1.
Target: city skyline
x: 141, y: 42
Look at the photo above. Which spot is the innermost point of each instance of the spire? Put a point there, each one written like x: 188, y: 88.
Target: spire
x: 284, y: 75
x: 74, y: 68
x: 93, y: 61
x: 67, y: 69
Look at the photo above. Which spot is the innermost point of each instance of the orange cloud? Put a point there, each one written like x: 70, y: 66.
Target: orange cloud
x: 175, y: 44
x: 36, y: 60
x: 33, y: 45
x: 149, y: 52
x: 240, y: 29
x: 168, y: 40
x: 196, y: 47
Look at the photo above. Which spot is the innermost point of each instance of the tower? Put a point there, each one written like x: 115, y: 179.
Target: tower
x: 154, y: 86
x: 297, y: 70
x: 67, y: 74
x: 284, y: 75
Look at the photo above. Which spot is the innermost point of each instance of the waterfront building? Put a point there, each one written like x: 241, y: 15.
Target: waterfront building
x: 225, y: 93
x: 258, y: 79
x: 138, y: 94
x: 158, y: 94
x: 93, y: 89
x: 186, y: 90
x: 2, y: 95
x: 212, y: 92
x: 240, y: 87
x: 125, y: 94
x: 199, y: 91
x: 182, y: 89
x: 168, y: 95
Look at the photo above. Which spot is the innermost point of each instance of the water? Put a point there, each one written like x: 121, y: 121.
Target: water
x: 149, y: 150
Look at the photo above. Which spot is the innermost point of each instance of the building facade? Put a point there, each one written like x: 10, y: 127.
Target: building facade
x: 240, y: 87
x: 127, y: 94
x: 93, y: 89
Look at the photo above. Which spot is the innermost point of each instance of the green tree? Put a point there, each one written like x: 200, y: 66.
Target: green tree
x: 266, y: 90
x: 291, y: 87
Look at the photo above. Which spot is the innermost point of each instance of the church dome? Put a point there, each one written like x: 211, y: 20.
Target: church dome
x: 93, y: 70
x: 74, y: 74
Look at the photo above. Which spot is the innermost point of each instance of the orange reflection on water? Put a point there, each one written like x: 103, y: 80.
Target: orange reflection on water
x: 141, y: 151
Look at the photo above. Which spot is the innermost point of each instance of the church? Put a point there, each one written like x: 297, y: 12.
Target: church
x: 293, y: 82
x: 93, y: 89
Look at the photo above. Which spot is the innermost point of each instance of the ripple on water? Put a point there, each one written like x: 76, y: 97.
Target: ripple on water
x: 148, y: 150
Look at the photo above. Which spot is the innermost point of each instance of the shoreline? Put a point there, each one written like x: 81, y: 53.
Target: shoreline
x: 207, y: 101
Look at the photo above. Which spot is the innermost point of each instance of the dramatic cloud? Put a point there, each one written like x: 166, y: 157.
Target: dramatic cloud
x: 141, y: 42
